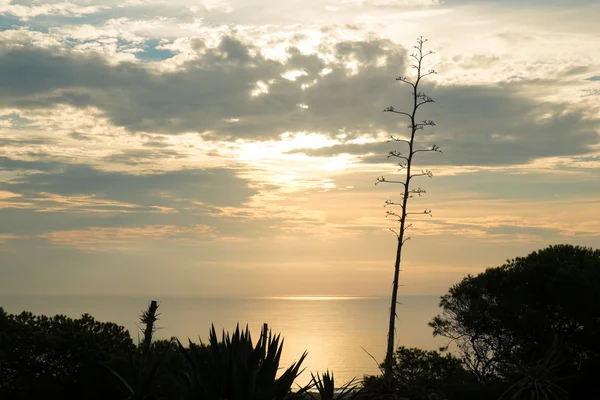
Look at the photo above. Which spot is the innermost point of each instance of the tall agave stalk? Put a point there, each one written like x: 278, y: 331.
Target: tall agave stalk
x: 149, y: 318
x: 408, y: 191
x: 234, y: 369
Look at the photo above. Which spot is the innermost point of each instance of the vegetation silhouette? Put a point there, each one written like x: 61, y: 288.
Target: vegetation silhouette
x: 59, y: 357
x: 143, y: 367
x: 325, y: 386
x: 405, y: 164
x: 536, y: 317
x: 235, y: 369
x: 524, y: 330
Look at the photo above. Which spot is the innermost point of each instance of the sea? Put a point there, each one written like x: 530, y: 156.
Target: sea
x: 345, y: 335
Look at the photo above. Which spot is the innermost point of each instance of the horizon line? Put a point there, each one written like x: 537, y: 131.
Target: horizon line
x: 218, y: 297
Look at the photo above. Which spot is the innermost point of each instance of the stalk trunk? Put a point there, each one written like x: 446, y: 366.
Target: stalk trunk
x: 389, y: 355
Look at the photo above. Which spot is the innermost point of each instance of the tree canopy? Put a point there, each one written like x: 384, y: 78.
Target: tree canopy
x: 508, y: 318
x: 59, y: 357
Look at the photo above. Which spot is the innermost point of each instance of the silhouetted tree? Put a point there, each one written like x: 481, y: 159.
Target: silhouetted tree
x: 417, y: 371
x: 537, y: 314
x: 59, y: 357
x: 406, y: 165
x: 425, y: 374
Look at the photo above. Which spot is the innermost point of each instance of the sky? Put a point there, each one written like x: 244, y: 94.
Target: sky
x: 224, y: 148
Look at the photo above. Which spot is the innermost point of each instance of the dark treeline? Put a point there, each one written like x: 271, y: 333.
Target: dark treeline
x: 525, y: 330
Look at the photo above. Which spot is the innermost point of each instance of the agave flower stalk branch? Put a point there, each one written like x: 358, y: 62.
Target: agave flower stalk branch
x: 418, y: 99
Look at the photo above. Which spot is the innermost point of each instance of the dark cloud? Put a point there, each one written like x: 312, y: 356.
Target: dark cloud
x: 136, y: 157
x: 478, y: 125
x: 211, y: 186
x: 591, y: 92
x: 179, y: 198
x: 5, y: 141
x: 8, y: 164
x: 578, y: 70
x: 211, y: 90
x: 156, y: 143
x: 27, y: 72
x: 28, y: 222
x: 80, y: 136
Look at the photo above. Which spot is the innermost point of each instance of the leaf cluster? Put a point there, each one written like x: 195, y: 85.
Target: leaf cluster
x: 236, y: 369
x: 506, y: 320
x: 58, y: 357
x: 325, y: 385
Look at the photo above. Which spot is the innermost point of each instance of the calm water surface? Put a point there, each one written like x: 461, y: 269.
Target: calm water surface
x: 334, y: 331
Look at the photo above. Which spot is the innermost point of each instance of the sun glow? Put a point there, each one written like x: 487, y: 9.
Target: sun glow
x: 293, y: 74
x: 288, y: 142
x: 315, y: 298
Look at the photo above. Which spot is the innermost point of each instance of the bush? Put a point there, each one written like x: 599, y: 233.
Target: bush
x: 59, y: 357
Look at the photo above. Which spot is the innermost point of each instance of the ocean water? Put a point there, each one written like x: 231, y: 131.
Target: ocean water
x: 340, y: 334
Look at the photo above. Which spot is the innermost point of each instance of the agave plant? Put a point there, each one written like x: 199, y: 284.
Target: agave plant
x: 538, y: 381
x: 235, y: 369
x: 325, y: 385
x: 143, y: 369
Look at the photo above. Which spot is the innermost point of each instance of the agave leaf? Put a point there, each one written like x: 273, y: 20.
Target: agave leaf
x: 325, y: 385
x: 347, y: 389
x: 123, y: 380
x: 286, y: 380
x: 233, y: 368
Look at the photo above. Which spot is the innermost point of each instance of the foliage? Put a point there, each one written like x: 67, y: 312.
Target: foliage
x: 405, y: 164
x: 154, y: 375
x: 235, y: 369
x: 66, y: 358
x: 525, y: 330
x: 417, y: 371
x: 507, y: 318
x: 424, y: 374
x: 538, y: 381
x: 145, y: 363
x: 325, y: 385
x: 377, y: 388
x: 59, y: 357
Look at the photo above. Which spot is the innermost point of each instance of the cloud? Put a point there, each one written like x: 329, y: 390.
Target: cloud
x: 50, y: 202
x: 212, y: 89
x: 165, y: 131
x: 8, y: 238
x: 486, y: 126
x: 9, y: 164
x: 26, y: 12
x: 213, y: 95
x: 5, y: 237
x: 135, y: 157
x: 88, y: 187
x: 126, y: 238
